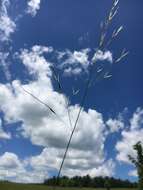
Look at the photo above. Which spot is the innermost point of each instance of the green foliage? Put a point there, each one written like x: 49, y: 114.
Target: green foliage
x: 138, y: 162
x: 87, y: 181
x: 107, y: 184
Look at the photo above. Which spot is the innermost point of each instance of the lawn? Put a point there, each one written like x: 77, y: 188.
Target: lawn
x: 12, y: 186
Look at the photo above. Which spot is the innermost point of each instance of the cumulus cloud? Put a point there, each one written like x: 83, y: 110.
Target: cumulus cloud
x: 137, y: 119
x: 7, y: 25
x: 73, y: 63
x: 51, y: 131
x: 34, y: 60
x: 43, y: 128
x: 114, y: 125
x: 102, y: 56
x: 77, y: 163
x: 77, y: 62
x: 36, y: 168
x: 9, y: 160
x: 3, y: 135
x: 9, y: 165
x: 130, y: 137
x: 15, y: 169
x: 33, y: 7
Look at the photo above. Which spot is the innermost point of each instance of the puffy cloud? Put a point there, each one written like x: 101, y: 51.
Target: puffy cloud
x: 74, y: 62
x: 15, y: 169
x: 114, y: 125
x: 125, y: 146
x: 10, y: 165
x: 102, y: 56
x: 47, y: 130
x: 77, y: 62
x: 3, y: 135
x: 69, y: 62
x: 77, y: 163
x: 78, y: 56
x: 137, y: 119
x: 33, y: 7
x: 35, y: 62
x: 9, y: 160
x: 52, y: 131
x: 7, y: 25
x: 130, y: 137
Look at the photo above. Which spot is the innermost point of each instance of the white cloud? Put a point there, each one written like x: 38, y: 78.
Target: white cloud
x: 74, y: 62
x: 14, y: 169
x: 70, y: 62
x: 114, y: 125
x: 81, y: 57
x: 35, y: 62
x: 72, y: 71
x: 77, y: 62
x: 77, y: 163
x: 130, y: 137
x: 43, y: 128
x: 33, y: 7
x: 102, y: 56
x: 9, y: 160
x: 7, y: 25
x: 3, y: 135
x: 133, y: 173
x: 10, y: 165
x: 137, y: 119
x: 4, y: 63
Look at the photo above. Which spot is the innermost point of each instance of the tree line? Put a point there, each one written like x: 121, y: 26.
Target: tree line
x: 87, y: 181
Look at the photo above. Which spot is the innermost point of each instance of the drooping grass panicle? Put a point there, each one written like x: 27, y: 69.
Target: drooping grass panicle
x: 117, y: 31
x: 123, y: 54
x: 75, y: 92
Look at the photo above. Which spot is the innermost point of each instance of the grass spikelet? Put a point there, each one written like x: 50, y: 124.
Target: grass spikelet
x: 104, y: 26
x: 117, y: 32
x: 124, y: 53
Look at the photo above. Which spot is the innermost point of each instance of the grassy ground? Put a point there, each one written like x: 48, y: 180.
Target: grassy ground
x: 12, y: 186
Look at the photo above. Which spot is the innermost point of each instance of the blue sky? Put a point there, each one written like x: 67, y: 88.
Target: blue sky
x: 36, y: 36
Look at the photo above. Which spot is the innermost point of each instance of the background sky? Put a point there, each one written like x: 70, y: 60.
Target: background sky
x: 36, y: 36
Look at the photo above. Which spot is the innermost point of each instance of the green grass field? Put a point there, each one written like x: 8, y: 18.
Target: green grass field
x: 12, y: 186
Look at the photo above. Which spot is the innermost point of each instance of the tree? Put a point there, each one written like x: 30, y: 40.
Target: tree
x: 107, y: 184
x: 138, y: 162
